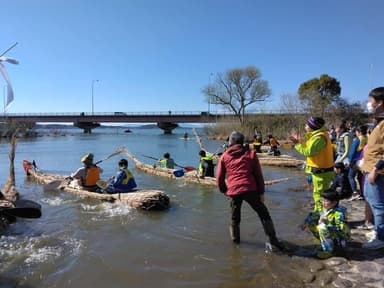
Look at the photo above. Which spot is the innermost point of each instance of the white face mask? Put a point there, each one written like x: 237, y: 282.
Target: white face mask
x: 370, y: 108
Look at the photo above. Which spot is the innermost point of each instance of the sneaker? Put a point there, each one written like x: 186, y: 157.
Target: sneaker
x: 366, y: 226
x: 373, y: 244
x: 355, y: 196
x: 324, y: 254
x: 371, y: 235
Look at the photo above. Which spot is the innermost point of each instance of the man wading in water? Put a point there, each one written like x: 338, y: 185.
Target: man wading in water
x: 245, y: 182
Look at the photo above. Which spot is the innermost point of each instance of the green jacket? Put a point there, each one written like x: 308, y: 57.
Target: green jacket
x: 311, y: 146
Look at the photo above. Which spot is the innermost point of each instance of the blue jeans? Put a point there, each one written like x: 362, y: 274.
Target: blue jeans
x: 352, y: 173
x: 375, y: 197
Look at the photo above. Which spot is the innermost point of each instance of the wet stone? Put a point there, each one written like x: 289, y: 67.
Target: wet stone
x: 353, y: 277
x: 306, y: 277
x: 367, y: 267
x: 343, y: 283
x: 325, y: 277
x: 342, y: 268
x: 335, y: 261
x: 363, y: 280
x: 316, y: 266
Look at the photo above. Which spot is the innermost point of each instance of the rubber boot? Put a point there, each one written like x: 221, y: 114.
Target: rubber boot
x: 234, y: 231
x: 269, y: 229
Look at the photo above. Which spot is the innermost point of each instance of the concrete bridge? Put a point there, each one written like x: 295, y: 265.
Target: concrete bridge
x: 88, y: 121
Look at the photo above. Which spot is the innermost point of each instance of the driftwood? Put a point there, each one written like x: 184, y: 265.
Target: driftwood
x: 146, y: 199
x: 190, y: 176
x: 9, y: 189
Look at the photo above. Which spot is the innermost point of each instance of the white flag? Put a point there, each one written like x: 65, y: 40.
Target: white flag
x: 9, y: 86
x: 6, y: 78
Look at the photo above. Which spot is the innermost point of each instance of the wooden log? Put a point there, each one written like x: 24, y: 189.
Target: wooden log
x: 146, y: 199
x: 189, y: 176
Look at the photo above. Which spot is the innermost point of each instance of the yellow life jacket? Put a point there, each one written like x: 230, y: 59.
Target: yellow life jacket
x: 128, y: 176
x: 92, y: 176
x: 323, y: 159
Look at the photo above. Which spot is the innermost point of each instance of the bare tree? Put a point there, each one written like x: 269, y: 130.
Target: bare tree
x: 292, y: 108
x: 237, y: 89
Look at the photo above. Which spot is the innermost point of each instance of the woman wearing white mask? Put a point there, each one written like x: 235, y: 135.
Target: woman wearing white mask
x: 373, y: 167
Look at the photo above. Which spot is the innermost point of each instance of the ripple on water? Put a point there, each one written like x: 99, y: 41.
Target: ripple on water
x: 56, y: 201
x: 106, y: 210
x: 21, y: 250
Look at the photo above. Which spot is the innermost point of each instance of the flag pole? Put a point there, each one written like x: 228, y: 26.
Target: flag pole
x: 2, y: 54
x: 5, y: 87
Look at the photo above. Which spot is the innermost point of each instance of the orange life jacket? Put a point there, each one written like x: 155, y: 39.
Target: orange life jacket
x: 92, y: 176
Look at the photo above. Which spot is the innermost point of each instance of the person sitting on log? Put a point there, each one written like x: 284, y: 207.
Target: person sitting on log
x: 206, y: 167
x: 329, y: 226
x: 167, y: 162
x: 123, y: 182
x: 257, y: 144
x: 88, y: 175
x: 273, y: 143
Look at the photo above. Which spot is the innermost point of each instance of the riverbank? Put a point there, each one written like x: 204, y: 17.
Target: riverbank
x: 356, y: 267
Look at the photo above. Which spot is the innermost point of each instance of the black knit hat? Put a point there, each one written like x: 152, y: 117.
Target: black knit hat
x: 330, y: 194
x: 315, y: 123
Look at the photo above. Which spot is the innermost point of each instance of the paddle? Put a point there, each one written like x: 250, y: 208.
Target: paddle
x: 186, y: 168
x: 23, y: 209
x: 56, y: 184
x: 102, y: 184
x: 117, y: 152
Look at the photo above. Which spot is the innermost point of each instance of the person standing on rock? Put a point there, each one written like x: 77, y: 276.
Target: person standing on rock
x: 317, y: 147
x: 239, y: 176
x: 373, y: 167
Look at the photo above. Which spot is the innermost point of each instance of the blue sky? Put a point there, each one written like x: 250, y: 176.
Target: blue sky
x: 152, y: 55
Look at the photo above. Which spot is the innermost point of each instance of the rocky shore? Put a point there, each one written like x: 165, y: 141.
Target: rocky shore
x: 353, y: 267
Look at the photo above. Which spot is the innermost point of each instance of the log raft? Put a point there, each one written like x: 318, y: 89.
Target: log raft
x: 265, y: 159
x: 189, y: 176
x: 145, y: 199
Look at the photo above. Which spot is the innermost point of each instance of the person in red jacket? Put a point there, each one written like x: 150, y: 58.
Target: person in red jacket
x: 239, y: 176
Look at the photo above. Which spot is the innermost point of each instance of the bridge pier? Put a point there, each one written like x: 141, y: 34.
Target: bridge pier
x: 167, y: 127
x: 86, y: 126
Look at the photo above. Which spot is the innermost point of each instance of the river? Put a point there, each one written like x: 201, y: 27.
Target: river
x: 86, y: 243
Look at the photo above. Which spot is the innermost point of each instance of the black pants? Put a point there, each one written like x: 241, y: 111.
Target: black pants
x: 253, y: 199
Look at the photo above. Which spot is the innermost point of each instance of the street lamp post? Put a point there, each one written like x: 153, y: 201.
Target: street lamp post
x: 93, y: 82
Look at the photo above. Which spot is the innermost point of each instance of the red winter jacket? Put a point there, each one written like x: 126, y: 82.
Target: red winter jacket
x: 242, y: 169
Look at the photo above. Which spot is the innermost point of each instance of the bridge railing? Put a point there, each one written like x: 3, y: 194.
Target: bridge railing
x: 151, y: 113
x: 146, y: 113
